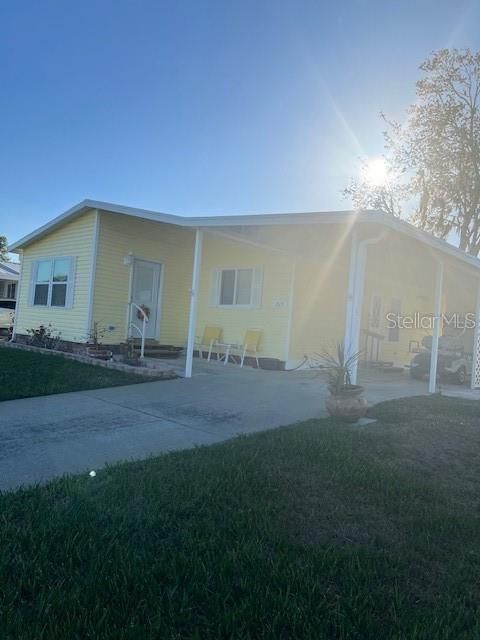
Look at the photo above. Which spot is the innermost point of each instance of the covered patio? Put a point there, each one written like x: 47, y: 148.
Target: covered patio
x: 379, y: 386
x: 346, y: 276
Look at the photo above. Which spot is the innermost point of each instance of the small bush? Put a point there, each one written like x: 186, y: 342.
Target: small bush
x: 43, y: 336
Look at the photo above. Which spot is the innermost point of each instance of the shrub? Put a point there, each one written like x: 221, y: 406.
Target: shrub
x: 43, y: 336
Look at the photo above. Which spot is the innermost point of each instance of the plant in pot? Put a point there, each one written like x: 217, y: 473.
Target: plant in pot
x: 130, y: 355
x: 345, y: 400
x: 95, y: 348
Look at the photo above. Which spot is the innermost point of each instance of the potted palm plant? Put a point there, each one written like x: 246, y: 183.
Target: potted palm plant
x: 345, y: 400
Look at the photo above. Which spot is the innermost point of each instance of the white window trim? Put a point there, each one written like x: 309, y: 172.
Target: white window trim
x: 70, y: 283
x: 250, y: 305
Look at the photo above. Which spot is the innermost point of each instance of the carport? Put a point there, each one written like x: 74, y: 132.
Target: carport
x: 441, y: 296
x: 354, y: 261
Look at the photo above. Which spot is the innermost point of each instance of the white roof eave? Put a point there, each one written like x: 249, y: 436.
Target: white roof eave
x: 323, y: 217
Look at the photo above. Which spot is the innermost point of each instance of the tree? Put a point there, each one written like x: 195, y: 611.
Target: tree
x: 385, y: 193
x: 3, y: 249
x: 437, y: 150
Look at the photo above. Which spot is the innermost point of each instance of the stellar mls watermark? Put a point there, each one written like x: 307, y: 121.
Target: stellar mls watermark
x: 428, y: 322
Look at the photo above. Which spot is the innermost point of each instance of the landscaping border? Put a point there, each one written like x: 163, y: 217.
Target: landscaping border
x: 167, y: 374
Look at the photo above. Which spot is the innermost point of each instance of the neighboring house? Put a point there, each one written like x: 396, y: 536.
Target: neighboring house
x: 307, y: 280
x: 9, y: 273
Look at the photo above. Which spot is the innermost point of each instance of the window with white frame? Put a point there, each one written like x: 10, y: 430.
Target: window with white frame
x: 52, y: 282
x: 234, y: 287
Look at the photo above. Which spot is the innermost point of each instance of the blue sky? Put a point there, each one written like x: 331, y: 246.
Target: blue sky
x: 198, y: 107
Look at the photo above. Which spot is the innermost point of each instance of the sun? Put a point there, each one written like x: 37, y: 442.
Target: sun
x: 375, y: 172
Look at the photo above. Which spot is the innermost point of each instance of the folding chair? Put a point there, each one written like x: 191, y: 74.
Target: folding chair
x: 211, y: 336
x: 250, y: 346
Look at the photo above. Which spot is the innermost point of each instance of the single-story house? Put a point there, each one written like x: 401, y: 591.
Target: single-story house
x: 305, y: 280
x: 9, y: 273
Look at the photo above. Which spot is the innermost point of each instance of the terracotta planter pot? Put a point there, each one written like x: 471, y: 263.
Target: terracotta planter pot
x: 349, y: 405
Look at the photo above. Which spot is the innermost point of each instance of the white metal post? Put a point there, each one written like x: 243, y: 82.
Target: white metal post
x: 351, y: 293
x: 17, y: 298
x: 353, y: 318
x: 144, y: 327
x: 197, y: 260
x: 357, y: 308
x: 432, y: 382
x: 356, y: 282
x: 288, y: 337
x: 475, y: 383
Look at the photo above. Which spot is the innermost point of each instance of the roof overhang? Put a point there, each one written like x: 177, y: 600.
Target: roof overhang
x: 351, y: 217
x: 9, y: 271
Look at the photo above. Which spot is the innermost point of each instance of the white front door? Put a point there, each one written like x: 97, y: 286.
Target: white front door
x: 145, y: 293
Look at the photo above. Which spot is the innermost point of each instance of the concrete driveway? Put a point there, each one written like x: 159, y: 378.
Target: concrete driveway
x: 41, y: 438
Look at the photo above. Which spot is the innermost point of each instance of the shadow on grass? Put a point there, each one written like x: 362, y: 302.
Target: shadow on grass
x: 317, y: 530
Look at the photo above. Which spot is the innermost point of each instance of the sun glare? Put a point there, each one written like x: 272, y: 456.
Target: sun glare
x: 375, y: 172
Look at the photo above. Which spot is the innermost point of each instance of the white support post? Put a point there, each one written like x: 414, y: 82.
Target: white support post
x: 351, y: 292
x: 357, y: 307
x: 18, y: 292
x: 354, y: 301
x: 475, y: 383
x: 197, y: 261
x: 291, y: 299
x: 356, y: 282
x: 432, y: 381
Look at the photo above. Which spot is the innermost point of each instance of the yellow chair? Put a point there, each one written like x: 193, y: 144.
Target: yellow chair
x: 211, y: 336
x: 251, y: 345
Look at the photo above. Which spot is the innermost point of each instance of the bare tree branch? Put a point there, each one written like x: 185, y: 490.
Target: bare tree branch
x: 436, y: 151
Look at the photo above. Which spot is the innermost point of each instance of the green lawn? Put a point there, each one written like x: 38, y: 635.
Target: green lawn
x: 24, y: 374
x: 314, y: 531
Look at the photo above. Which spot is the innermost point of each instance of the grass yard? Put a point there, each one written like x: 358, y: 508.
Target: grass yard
x: 315, y: 531
x: 24, y: 374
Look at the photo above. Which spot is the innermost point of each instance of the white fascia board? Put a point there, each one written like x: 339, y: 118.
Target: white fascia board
x: 268, y: 219
x: 146, y: 214
x: 326, y: 217
x: 9, y: 271
x: 422, y: 236
x: 70, y: 213
x: 86, y: 205
x: 281, y: 219
x: 8, y: 276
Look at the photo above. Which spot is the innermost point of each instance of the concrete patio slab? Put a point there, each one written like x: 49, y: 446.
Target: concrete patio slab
x: 41, y: 438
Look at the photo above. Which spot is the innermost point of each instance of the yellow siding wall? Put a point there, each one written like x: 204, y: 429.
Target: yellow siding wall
x: 273, y: 312
x: 172, y: 246
x: 398, y: 269
x: 460, y: 298
x: 319, y: 306
x: 73, y: 239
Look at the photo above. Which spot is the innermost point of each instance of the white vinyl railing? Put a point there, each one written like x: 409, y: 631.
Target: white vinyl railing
x: 142, y: 331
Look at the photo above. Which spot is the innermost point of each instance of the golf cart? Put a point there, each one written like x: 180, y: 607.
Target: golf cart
x: 7, y: 314
x: 454, y: 364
